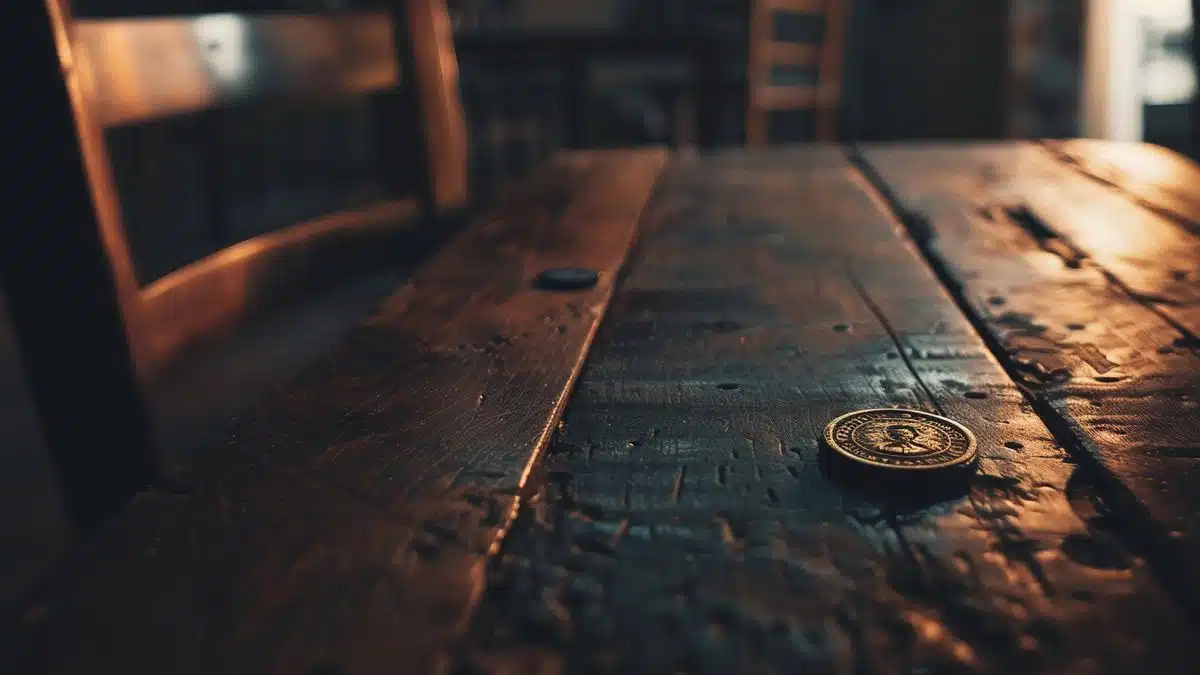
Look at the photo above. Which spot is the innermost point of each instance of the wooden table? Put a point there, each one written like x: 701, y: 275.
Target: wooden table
x: 426, y: 499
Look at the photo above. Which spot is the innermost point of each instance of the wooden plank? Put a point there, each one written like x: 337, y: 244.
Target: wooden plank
x: 145, y: 68
x: 1151, y: 175
x: 1153, y: 258
x: 345, y: 524
x: 1060, y: 274
x: 684, y: 524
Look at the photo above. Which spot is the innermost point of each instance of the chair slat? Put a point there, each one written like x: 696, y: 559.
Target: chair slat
x: 796, y: 54
x: 140, y: 69
x: 223, y: 289
x: 811, y: 6
x: 786, y: 98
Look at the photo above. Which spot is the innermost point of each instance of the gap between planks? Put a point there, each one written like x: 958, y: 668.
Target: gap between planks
x: 1161, y: 200
x: 346, y: 521
x: 700, y: 364
x: 1142, y: 533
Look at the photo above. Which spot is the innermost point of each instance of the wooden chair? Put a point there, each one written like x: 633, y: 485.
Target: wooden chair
x: 90, y: 331
x: 795, y: 64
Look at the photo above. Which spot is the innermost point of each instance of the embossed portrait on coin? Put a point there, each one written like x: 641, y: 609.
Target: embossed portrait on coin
x: 901, y: 437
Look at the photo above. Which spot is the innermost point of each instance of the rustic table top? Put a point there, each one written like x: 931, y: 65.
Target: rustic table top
x: 489, y: 478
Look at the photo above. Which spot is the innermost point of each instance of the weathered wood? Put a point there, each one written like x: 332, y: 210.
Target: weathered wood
x: 1153, y: 176
x: 684, y: 524
x: 1091, y: 301
x: 1151, y: 257
x: 345, y: 524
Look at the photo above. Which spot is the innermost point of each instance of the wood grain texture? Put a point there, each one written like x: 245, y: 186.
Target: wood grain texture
x: 1080, y: 290
x: 344, y: 525
x: 1153, y: 176
x: 684, y: 523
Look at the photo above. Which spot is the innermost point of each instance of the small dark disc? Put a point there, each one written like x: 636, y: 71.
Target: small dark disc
x: 567, y: 279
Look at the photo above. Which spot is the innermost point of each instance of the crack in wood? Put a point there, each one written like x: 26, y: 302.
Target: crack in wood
x: 1140, y: 531
x: 1113, y: 177
x: 901, y: 347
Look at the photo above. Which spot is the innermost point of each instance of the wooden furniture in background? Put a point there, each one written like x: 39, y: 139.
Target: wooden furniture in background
x: 796, y: 51
x: 122, y: 71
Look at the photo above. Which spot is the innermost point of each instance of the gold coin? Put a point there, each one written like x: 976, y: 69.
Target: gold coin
x: 894, y: 438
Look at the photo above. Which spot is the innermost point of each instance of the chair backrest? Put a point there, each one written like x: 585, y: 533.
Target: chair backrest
x: 114, y: 72
x: 796, y: 52
x: 134, y: 70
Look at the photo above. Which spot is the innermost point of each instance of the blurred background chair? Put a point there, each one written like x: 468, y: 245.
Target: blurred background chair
x: 794, y: 70
x: 319, y: 156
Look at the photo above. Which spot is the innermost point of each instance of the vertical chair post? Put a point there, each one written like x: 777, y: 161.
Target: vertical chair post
x: 65, y: 290
x: 431, y: 69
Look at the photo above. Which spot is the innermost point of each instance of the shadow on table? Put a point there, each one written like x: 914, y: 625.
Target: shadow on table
x: 194, y: 402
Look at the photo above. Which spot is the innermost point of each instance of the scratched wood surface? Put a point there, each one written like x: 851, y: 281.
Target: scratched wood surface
x: 684, y: 524
x: 1093, y: 302
x: 391, y: 511
x: 344, y: 524
x: 1153, y: 176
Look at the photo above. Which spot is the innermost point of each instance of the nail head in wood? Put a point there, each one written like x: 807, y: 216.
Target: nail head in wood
x: 567, y: 279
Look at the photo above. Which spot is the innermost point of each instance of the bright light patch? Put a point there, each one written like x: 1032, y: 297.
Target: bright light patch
x: 1168, y: 80
x: 223, y: 36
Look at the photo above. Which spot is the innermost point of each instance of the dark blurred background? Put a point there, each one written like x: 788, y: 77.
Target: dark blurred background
x: 914, y: 69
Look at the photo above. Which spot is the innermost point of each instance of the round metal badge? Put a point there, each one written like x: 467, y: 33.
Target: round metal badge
x: 904, y: 440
